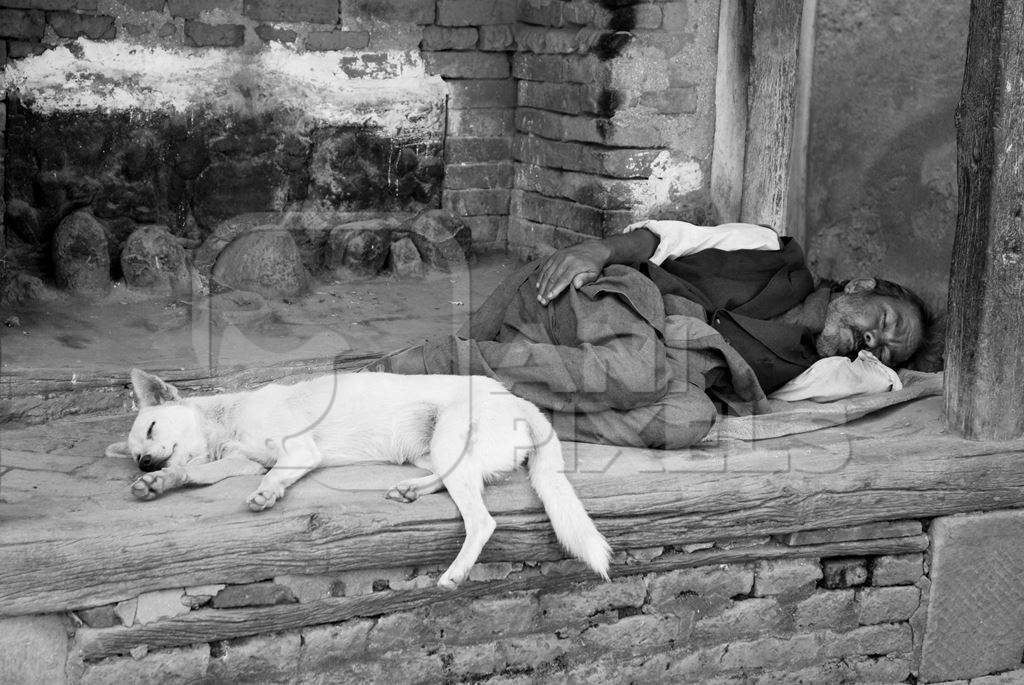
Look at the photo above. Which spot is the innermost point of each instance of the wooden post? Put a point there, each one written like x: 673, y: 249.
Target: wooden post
x: 984, y: 381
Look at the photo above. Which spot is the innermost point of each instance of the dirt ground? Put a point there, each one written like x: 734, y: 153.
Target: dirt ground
x: 358, y: 315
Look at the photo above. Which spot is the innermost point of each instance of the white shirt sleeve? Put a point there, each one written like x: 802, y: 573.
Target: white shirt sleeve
x: 681, y: 238
x: 836, y: 378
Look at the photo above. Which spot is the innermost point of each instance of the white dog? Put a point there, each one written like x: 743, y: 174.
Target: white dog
x: 465, y: 430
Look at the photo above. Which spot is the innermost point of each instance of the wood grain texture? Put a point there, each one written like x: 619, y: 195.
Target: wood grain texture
x: 77, y: 539
x: 207, y: 625
x: 772, y: 107
x: 984, y: 389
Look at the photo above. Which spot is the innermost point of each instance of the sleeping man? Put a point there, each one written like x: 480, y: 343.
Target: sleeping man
x: 641, y: 338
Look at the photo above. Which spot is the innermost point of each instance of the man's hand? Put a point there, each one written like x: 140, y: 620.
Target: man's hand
x: 578, y: 265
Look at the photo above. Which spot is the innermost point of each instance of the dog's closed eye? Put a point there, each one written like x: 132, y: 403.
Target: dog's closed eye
x: 149, y: 431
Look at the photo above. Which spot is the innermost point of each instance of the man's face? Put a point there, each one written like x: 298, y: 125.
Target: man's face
x: 859, y: 319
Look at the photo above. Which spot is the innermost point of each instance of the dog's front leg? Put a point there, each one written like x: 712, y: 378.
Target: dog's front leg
x: 297, y: 457
x: 150, y: 485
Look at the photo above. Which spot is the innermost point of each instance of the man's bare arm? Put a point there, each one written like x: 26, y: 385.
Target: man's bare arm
x: 582, y: 263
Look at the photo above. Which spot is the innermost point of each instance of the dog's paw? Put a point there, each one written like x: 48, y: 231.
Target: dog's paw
x: 405, y: 491
x: 452, y: 578
x: 149, y: 486
x: 262, y: 499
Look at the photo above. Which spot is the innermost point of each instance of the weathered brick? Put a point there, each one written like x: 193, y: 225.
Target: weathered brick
x: 471, y: 150
x: 724, y: 580
x: 487, y: 123
x: 253, y: 594
x: 486, y: 619
x: 126, y: 610
x: 72, y: 25
x: 568, y: 98
x: 464, y: 176
x: 489, y: 232
x: 887, y: 604
x: 24, y: 24
x: 672, y: 100
x: 440, y: 38
x: 867, y: 531
x: 860, y: 669
x: 785, y: 576
x: 184, y: 665
x: 826, y: 609
x: 192, y: 9
x: 146, y: 5
x: 99, y: 617
x: 897, y: 569
x: 17, y: 49
x: 160, y: 604
x: 323, y: 647
x: 889, y: 638
x: 269, y: 33
x: 337, y: 40
x: 201, y: 34
x: 564, y: 608
x: 1014, y: 677
x: 33, y: 649
x: 368, y: 581
x: 744, y: 619
x: 476, y: 660
x: 619, y: 163
x: 529, y: 240
x: 844, y: 572
x: 409, y: 666
x: 389, y: 12
x: 3, y: 62
x: 556, y: 41
x: 482, y: 93
x: 559, y: 68
x: 467, y: 64
x: 772, y: 652
x: 308, y: 588
x: 41, y: 4
x: 557, y: 212
x: 638, y: 633
x: 263, y: 658
x: 315, y: 11
x: 405, y: 629
x: 472, y: 202
x: 475, y: 12
x: 559, y: 126
x: 587, y: 189
x: 496, y: 38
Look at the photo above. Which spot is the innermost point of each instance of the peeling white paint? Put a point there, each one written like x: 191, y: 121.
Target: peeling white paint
x: 393, y: 93
x: 670, y: 179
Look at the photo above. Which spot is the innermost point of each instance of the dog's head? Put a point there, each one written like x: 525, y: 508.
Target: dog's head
x: 166, y: 432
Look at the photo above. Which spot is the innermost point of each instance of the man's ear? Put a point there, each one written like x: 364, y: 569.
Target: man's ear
x: 150, y: 390
x: 859, y: 285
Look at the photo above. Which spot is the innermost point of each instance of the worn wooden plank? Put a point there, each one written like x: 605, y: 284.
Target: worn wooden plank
x: 734, y: 27
x: 59, y: 552
x: 220, y: 624
x: 771, y: 112
x: 868, y: 531
x: 984, y: 367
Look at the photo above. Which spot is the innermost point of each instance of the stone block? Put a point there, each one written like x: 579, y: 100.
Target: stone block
x: 80, y: 256
x: 888, y: 638
x: 844, y: 572
x: 567, y: 98
x: 482, y: 93
x: 391, y: 12
x: 474, y: 661
x: 481, y: 122
x: 404, y: 630
x: 543, y: 40
x: 586, y: 69
x: 497, y: 570
x: 313, y: 11
x: 441, y: 38
x: 1014, y: 677
x: 475, y: 12
x: 489, y: 232
x: 153, y: 260
x: 744, y: 619
x: 324, y: 647
x: 404, y: 259
x: 638, y: 633
x: 785, y: 576
x: 368, y: 581
x: 566, y: 608
x: 467, y: 64
x: 267, y: 262
x: 126, y: 611
x: 146, y: 5
x: 464, y: 176
x: 358, y: 250
x: 192, y: 9
x: 263, y: 658
x: 723, y: 581
x: 529, y: 240
x: 33, y: 649
x: 557, y: 212
x: 200, y: 34
x: 897, y: 569
x: 269, y: 33
x: 624, y: 163
x: 475, y: 202
x: 496, y: 38
x: 307, y: 588
x: 887, y: 604
x: 409, y: 666
x: 17, y: 49
x: 587, y: 189
x: 826, y: 609
x: 183, y: 665
x: 337, y: 40
x: 975, y: 622
x: 43, y: 4
x: 486, y: 619
x: 253, y: 594
x: 771, y: 652
x: 462, y: 149
x: 22, y: 24
x: 72, y: 25
x: 153, y: 606
x: 99, y: 617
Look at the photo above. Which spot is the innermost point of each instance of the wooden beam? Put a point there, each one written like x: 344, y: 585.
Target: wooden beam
x: 772, y: 108
x: 734, y: 26
x: 984, y: 388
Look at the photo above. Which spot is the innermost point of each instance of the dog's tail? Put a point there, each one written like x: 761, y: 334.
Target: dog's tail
x: 573, y: 526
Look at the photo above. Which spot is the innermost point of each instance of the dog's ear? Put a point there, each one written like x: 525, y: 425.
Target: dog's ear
x: 150, y: 390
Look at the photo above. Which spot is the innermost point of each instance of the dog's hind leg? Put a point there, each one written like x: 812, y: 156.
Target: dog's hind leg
x: 412, y: 489
x: 295, y: 459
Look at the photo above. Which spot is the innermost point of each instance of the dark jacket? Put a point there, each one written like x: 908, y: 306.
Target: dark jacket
x: 741, y: 292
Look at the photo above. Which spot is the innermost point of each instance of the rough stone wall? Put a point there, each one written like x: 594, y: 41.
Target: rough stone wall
x: 882, y: 151
x: 615, y: 117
